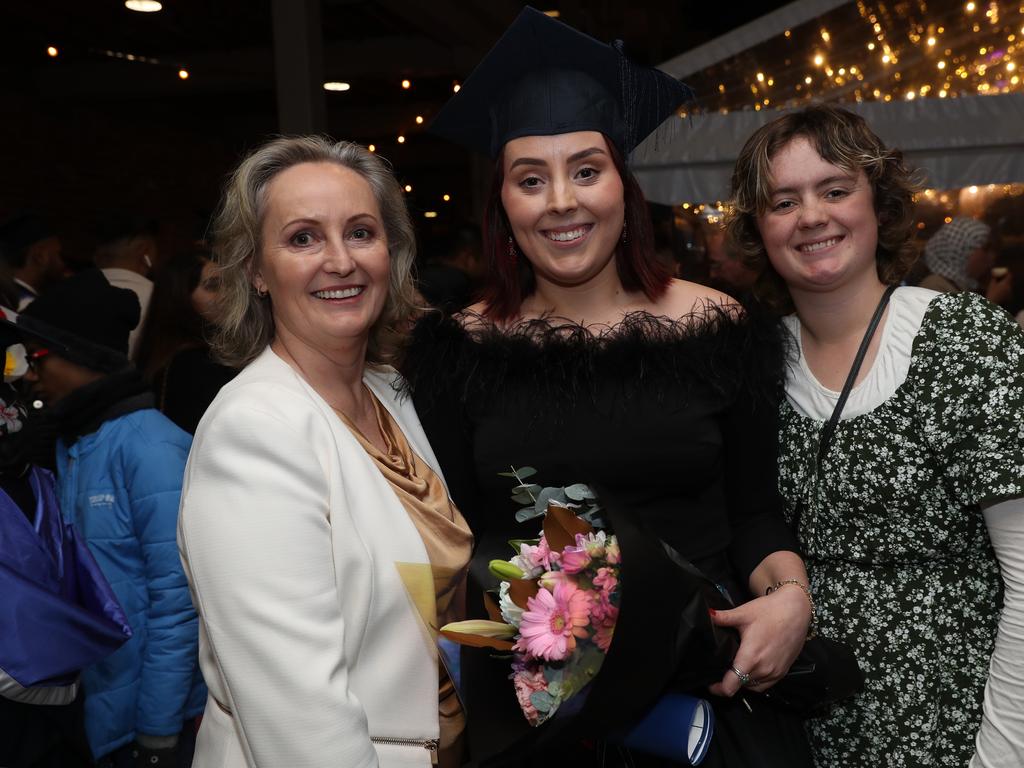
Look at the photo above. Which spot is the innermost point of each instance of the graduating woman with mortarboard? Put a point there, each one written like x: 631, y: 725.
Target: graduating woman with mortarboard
x: 585, y: 360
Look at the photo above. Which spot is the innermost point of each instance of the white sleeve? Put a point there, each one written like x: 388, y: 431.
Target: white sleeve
x: 46, y: 695
x: 255, y: 532
x: 1000, y: 742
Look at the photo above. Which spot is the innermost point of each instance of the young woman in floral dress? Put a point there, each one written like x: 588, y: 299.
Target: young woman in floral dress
x: 903, y: 517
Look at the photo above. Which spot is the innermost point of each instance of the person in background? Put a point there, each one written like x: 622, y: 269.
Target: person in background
x: 907, y: 497
x: 119, y: 470
x: 447, y: 281
x: 313, y: 509
x: 31, y: 251
x: 174, y: 354
x: 958, y: 256
x: 726, y: 269
x: 126, y: 253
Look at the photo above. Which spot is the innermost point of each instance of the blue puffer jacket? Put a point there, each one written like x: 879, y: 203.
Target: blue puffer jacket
x: 121, y: 486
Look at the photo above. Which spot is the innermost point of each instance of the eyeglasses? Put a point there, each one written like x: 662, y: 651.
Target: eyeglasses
x: 35, y: 356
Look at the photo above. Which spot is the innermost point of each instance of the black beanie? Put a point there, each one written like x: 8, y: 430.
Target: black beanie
x: 90, y: 318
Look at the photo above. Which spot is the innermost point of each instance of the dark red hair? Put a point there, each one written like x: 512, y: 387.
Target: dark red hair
x: 509, y: 281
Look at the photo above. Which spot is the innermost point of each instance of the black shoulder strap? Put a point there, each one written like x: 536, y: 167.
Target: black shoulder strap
x: 830, y: 428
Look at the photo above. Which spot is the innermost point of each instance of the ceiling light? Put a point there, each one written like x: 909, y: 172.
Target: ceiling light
x: 406, y: 84
x: 372, y: 147
x: 52, y: 51
x: 456, y: 86
x: 334, y: 85
x: 408, y: 187
x: 446, y: 198
x: 553, y: 14
x: 430, y: 214
x: 401, y: 139
x: 143, y: 6
x: 183, y: 74
x: 419, y: 119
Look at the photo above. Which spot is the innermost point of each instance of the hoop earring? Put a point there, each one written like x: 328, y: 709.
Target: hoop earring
x: 513, y: 252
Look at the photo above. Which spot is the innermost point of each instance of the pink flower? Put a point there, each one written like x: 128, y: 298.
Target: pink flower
x: 527, y: 683
x: 552, y: 622
x: 603, y: 636
x: 606, y: 579
x: 574, y: 559
x: 539, y: 556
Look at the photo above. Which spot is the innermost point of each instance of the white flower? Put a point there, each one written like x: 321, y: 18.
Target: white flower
x: 510, y: 612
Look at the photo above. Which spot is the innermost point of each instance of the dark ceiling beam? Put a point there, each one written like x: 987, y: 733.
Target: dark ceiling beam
x: 299, y: 66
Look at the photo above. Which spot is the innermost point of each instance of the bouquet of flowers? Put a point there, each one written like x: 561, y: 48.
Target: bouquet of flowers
x: 558, y: 600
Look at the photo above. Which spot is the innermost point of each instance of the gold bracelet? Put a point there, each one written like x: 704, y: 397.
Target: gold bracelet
x: 812, y: 627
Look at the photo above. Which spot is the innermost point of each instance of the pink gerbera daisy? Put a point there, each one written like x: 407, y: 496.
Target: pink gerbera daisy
x: 552, y: 622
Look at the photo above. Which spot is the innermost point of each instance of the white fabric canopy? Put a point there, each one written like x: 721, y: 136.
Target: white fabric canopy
x: 955, y: 142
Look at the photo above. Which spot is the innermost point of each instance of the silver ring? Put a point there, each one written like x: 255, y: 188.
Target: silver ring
x: 745, y: 679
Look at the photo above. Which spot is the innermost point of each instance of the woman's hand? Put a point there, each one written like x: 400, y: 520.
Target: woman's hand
x: 772, y: 632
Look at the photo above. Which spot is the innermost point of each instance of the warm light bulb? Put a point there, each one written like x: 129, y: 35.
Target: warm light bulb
x: 430, y: 214
x: 1010, y: 66
x: 143, y: 6
x: 446, y: 198
x: 941, y: 65
x: 931, y: 41
x: 871, y: 46
x: 406, y: 84
x: 372, y: 147
x: 419, y: 119
x: 408, y: 187
x: 972, y: 189
x: 334, y: 85
x: 807, y: 80
x: 819, y: 60
x: 401, y: 139
x: 52, y: 51
x: 760, y: 77
x: 970, y: 7
x: 456, y: 88
x: 885, y: 58
x: 183, y: 74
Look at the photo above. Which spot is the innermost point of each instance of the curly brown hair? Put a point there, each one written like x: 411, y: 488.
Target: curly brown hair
x: 845, y: 140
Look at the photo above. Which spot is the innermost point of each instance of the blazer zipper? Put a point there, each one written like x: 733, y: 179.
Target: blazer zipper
x: 428, y: 744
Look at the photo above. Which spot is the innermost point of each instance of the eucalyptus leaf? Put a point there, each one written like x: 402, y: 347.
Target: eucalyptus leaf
x: 523, y: 498
x: 528, y: 513
x: 548, y: 495
x: 542, y: 700
x: 578, y: 492
x: 521, y: 473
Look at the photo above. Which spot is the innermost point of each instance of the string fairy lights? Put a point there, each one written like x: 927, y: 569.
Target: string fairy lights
x: 879, y: 51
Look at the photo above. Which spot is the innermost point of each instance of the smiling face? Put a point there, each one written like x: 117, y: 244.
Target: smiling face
x: 820, y: 229
x: 564, y: 200
x: 324, y: 256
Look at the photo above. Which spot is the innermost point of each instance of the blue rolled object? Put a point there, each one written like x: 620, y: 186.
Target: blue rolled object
x: 678, y: 727
x: 58, y: 613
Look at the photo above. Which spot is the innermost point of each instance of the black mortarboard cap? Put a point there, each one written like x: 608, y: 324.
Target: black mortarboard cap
x: 544, y: 78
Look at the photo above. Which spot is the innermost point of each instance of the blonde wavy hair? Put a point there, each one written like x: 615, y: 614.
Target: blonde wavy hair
x: 845, y: 140
x: 245, y: 324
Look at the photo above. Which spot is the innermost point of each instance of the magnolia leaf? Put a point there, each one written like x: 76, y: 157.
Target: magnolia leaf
x: 491, y: 606
x: 520, y: 590
x: 578, y: 492
x: 561, y: 526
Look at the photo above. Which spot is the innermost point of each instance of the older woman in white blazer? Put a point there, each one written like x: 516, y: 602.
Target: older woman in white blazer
x: 315, y: 528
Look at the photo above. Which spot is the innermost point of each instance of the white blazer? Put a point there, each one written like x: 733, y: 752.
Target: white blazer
x: 290, y: 536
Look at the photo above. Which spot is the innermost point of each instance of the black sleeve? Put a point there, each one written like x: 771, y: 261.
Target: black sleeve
x: 431, y: 368
x: 750, y: 432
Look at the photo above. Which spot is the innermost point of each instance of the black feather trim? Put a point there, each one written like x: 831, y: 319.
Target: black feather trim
x: 558, y: 362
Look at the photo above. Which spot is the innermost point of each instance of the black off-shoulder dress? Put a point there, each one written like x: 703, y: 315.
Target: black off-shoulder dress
x: 675, y: 420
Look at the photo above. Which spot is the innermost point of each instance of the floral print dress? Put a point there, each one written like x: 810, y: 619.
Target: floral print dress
x: 899, y: 558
